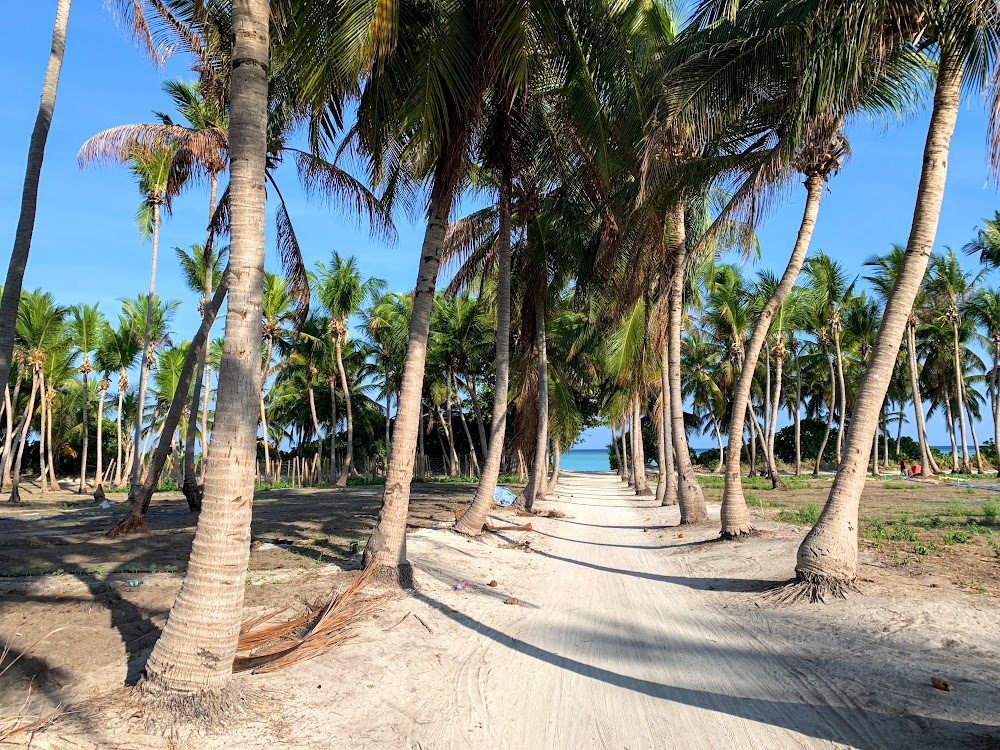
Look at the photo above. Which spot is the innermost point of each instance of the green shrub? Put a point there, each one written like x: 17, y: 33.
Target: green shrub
x: 991, y: 510
x: 955, y: 537
x: 807, y: 515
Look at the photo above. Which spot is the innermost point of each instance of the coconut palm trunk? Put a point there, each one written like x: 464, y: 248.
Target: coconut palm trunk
x: 779, y: 363
x: 828, y: 556
x: 474, y: 459
x: 556, y: 457
x: 918, y: 408
x: 122, y: 390
x: 8, y: 438
x: 386, y: 548
x: 85, y: 370
x: 43, y: 434
x: 29, y: 192
x: 690, y: 495
x: 473, y: 519
x: 975, y: 446
x: 15, y: 494
x: 190, y: 484
x: 470, y: 383
x: 734, y: 513
x: 539, y: 478
x: 950, y: 419
x: 996, y: 400
x: 312, y: 412
x: 831, y: 405
x: 960, y: 390
x: 614, y: 446
x: 661, y: 463
x: 194, y: 656
x: 135, y: 521
x: 838, y: 359
x: 147, y: 355
x: 104, y: 385
x: 798, y: 410
x: 669, y: 466
x: 639, y: 451
x: 627, y: 474
x: 348, y: 464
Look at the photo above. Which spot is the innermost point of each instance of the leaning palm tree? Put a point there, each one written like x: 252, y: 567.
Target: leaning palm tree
x: 964, y: 37
x: 206, y: 616
x: 342, y: 292
x: 11, y: 296
x: 85, y: 326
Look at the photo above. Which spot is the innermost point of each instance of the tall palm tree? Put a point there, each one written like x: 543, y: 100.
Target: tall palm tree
x: 11, y: 295
x: 202, y: 270
x: 883, y: 280
x: 278, y: 310
x: 342, y: 292
x: 85, y: 326
x: 205, y: 618
x: 984, y: 307
x: 965, y: 37
x: 386, y: 324
x: 118, y: 353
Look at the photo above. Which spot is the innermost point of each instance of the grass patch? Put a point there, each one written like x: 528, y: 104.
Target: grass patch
x: 806, y: 515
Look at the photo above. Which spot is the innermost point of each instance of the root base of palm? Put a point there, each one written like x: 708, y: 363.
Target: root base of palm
x: 813, y: 589
x: 392, y: 575
x: 181, y: 714
x: 742, y: 532
x: 131, y: 524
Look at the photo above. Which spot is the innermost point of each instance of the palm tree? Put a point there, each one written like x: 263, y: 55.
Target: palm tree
x: 40, y: 331
x: 386, y: 324
x: 278, y: 315
x: 85, y: 327
x: 118, y: 352
x: 205, y: 618
x: 964, y: 36
x: 342, y: 292
x: 202, y: 270
x: 820, y: 157
x: 984, y: 307
x: 11, y: 296
x: 883, y: 280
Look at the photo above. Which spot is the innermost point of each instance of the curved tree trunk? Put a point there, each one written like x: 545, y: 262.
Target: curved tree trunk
x: 135, y: 521
x: 829, y: 418
x: 473, y: 519
x: 345, y: 470
x: 43, y: 400
x: 470, y: 383
x: 29, y: 192
x: 626, y: 473
x: 828, y: 556
x: 8, y: 438
x: 661, y: 462
x: 15, y: 494
x: 537, y: 486
x: 798, y: 413
x: 99, y: 475
x: 386, y: 548
x: 468, y: 434
x: 669, y: 496
x: 190, y: 484
x: 122, y: 389
x: 950, y: 419
x: 616, y: 449
x: 690, y: 495
x: 779, y: 362
x: 50, y: 401
x: 315, y: 419
x: 918, y: 408
x: 722, y: 449
x: 975, y: 446
x: 147, y: 359
x: 960, y: 395
x: 194, y: 656
x: 735, y: 514
x: 85, y: 369
x: 556, y: 456
x: 838, y: 358
x: 639, y: 459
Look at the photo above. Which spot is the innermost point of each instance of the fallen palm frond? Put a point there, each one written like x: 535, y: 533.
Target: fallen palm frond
x: 11, y: 727
x: 304, y: 637
x: 497, y: 529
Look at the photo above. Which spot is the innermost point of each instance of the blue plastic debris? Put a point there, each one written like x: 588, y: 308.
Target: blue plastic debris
x: 504, y: 496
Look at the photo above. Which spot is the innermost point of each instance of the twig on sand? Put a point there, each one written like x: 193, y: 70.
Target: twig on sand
x: 398, y: 623
x: 421, y: 621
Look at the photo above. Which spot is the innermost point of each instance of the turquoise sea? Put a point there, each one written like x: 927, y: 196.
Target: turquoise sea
x: 585, y: 459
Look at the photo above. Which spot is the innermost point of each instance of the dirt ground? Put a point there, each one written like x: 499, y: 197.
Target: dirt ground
x: 620, y: 615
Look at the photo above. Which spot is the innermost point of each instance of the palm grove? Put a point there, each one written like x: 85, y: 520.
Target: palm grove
x: 619, y: 153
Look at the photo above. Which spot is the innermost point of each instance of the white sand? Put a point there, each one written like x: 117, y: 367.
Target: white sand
x: 632, y: 639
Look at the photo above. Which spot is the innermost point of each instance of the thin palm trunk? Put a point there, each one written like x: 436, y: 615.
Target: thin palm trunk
x: 85, y: 369
x: 556, y: 456
x: 99, y: 475
x: 828, y: 556
x: 540, y: 476
x: 29, y: 192
x: 332, y: 384
x: 950, y: 418
x: 480, y: 427
x: 135, y: 521
x: 690, y: 495
x: 639, y: 451
x: 468, y: 435
x: 765, y: 432
x: 122, y: 389
x: 15, y: 494
x: 50, y: 401
x: 798, y: 413
x: 829, y: 418
x: 315, y: 420
x: 614, y: 446
x: 190, y: 483
x: 975, y: 446
x: 996, y: 400
x: 627, y: 475
x: 386, y: 548
x: 734, y: 513
x: 918, y: 408
x: 960, y: 395
x: 388, y: 418
x: 147, y: 353
x: 473, y: 519
x: 661, y: 463
x: 8, y: 438
x: 345, y: 469
x: 838, y: 358
x: 43, y: 399
x: 779, y: 362
x: 718, y: 439
x: 194, y: 655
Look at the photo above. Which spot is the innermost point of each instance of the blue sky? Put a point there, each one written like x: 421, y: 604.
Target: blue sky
x: 86, y: 247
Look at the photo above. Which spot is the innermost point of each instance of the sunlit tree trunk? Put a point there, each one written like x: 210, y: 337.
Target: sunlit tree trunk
x: 15, y: 494
x: 85, y: 370
x: 690, y: 495
x: 639, y: 451
x: 122, y: 390
x: 960, y: 390
x: 345, y: 469
x: 950, y: 417
x: 669, y: 496
x: 104, y: 385
x: 829, y: 417
x: 798, y: 412
x: 29, y: 192
x: 537, y: 485
x: 828, y: 556
x: 386, y: 548
x: 556, y: 456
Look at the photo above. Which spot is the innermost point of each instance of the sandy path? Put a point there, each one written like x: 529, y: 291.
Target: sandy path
x: 618, y: 645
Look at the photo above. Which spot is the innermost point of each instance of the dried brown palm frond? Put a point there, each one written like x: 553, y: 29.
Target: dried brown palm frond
x: 306, y: 636
x: 118, y: 144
